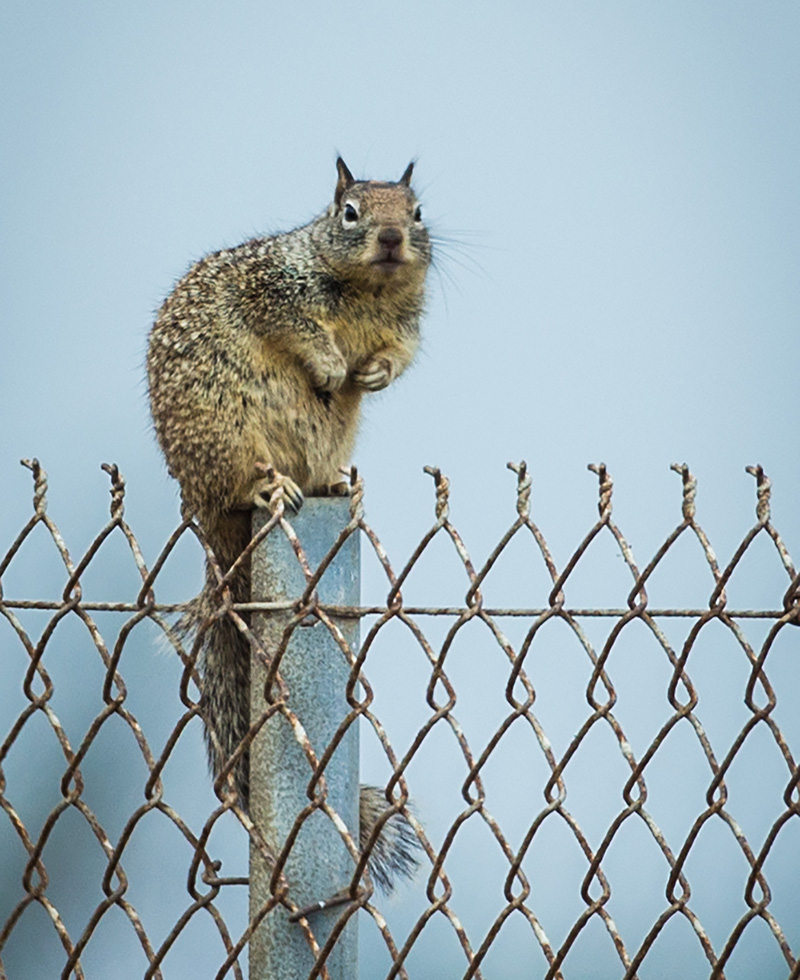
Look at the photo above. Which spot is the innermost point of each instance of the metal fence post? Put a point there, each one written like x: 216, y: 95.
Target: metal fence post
x: 315, y: 672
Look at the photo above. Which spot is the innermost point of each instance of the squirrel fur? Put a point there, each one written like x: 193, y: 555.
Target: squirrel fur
x: 257, y: 364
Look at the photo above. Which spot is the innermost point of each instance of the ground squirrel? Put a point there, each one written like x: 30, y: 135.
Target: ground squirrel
x: 257, y: 364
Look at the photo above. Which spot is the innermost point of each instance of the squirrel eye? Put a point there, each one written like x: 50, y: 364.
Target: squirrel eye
x: 418, y: 213
x: 350, y: 215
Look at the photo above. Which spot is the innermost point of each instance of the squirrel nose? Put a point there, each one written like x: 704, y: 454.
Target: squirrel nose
x: 390, y: 237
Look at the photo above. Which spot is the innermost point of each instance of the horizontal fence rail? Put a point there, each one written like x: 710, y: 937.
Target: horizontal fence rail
x: 549, y: 887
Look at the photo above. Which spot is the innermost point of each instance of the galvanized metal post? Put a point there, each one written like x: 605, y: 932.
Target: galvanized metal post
x: 315, y: 672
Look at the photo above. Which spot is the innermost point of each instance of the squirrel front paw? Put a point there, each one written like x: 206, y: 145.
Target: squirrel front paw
x: 261, y: 492
x: 373, y: 374
x: 327, y: 370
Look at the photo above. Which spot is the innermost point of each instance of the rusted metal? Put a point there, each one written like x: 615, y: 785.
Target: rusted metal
x: 114, y: 896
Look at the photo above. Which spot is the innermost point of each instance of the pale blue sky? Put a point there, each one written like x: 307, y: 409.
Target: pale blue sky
x: 619, y: 182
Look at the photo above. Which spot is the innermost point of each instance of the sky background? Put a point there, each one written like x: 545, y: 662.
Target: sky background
x: 616, y: 186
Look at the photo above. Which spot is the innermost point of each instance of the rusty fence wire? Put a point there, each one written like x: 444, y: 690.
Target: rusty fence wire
x: 597, y: 792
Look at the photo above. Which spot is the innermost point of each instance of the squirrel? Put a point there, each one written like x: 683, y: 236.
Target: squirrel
x: 257, y: 364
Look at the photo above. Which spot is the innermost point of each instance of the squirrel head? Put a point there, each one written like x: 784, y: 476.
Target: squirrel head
x: 346, y: 179
x: 374, y: 231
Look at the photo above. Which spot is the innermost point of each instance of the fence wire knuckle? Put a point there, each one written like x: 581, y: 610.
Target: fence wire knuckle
x: 44, y: 677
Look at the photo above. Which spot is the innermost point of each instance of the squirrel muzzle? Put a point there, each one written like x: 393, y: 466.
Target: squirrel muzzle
x: 390, y: 252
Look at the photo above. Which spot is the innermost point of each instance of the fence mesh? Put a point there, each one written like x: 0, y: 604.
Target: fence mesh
x: 90, y: 907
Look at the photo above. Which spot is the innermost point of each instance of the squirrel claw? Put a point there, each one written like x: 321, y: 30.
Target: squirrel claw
x: 265, y: 487
x: 293, y: 494
x: 327, y: 373
x: 374, y: 375
x: 340, y: 489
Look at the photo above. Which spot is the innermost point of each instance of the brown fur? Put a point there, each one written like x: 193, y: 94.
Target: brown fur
x: 259, y: 358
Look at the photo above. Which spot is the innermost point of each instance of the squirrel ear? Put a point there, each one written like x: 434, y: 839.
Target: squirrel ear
x: 345, y: 180
x: 406, y: 178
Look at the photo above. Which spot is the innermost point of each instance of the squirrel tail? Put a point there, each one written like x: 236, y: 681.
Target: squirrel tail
x: 225, y: 704
x: 394, y: 854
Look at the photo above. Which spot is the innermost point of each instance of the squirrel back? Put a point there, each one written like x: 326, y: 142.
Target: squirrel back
x: 257, y: 364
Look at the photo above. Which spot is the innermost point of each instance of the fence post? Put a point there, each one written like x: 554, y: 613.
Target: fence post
x: 315, y: 672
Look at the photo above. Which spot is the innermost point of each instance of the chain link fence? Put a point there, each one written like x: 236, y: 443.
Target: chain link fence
x: 597, y: 792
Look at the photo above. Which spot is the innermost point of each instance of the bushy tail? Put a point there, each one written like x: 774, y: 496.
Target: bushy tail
x: 395, y: 852
x: 225, y: 704
x: 224, y: 658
